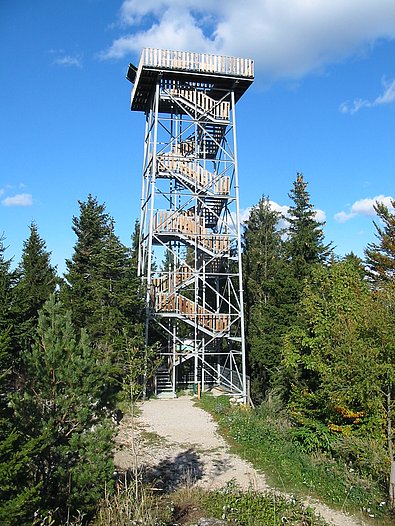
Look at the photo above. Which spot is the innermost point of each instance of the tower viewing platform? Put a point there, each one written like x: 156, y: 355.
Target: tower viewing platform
x: 184, y: 68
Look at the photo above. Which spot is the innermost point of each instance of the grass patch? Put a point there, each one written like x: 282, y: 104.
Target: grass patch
x: 189, y: 504
x: 264, y: 437
x: 251, y: 508
x: 150, y: 438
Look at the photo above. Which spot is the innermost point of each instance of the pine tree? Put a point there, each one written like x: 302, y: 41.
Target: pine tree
x: 380, y: 256
x: 37, y: 281
x: 63, y: 406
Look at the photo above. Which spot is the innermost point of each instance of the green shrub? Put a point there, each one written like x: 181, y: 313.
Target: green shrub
x: 295, y: 459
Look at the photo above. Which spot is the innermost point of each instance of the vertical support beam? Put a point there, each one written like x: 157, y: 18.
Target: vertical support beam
x: 240, y: 264
x: 150, y: 235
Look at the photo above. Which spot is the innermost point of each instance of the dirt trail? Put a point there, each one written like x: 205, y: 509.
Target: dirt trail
x: 177, y: 443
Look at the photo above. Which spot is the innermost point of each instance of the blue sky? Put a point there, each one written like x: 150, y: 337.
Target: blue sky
x: 323, y: 103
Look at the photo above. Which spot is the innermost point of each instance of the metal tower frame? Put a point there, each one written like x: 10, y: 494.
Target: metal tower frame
x: 190, y: 240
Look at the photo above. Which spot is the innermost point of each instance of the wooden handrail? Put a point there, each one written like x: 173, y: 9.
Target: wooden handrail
x: 172, y: 303
x: 195, y: 173
x: 166, y: 222
x: 200, y: 62
x: 206, y: 104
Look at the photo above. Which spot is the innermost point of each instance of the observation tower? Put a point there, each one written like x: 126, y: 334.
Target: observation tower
x: 190, y: 239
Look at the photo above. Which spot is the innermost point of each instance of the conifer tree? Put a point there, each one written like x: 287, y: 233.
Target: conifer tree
x: 380, y: 256
x: 37, y: 281
x: 305, y: 244
x: 63, y: 406
x: 92, y: 229
x: 265, y: 288
x: 102, y: 290
x: 17, y: 499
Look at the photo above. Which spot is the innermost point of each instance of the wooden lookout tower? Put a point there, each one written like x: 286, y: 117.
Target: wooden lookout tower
x: 190, y: 241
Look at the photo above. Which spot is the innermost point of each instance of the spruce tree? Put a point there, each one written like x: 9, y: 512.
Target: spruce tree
x: 305, y: 244
x: 37, y: 281
x: 102, y: 290
x: 92, y: 229
x: 18, y: 499
x: 380, y: 256
x: 265, y: 289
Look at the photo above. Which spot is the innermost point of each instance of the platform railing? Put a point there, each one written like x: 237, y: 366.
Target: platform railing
x: 199, y: 62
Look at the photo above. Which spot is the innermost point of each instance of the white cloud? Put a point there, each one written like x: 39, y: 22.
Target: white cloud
x: 363, y: 207
x: 245, y: 214
x: 282, y: 209
x: 287, y: 38
x: 69, y: 60
x: 320, y: 215
x: 387, y: 97
x: 18, y: 200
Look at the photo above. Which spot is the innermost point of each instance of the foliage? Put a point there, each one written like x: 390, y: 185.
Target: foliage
x: 102, y: 289
x: 17, y: 499
x: 63, y: 405
x: 251, y: 508
x: 305, y: 243
x: 380, y: 256
x: 7, y: 283
x: 266, y: 287
x: 265, y: 437
x: 276, y: 263
x: 341, y: 358
x: 331, y: 353
x: 36, y: 282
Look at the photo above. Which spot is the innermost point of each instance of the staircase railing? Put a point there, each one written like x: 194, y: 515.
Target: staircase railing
x: 193, y: 229
x: 187, y: 308
x: 195, y: 173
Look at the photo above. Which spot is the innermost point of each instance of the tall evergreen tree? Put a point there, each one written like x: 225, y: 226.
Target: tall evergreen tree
x: 305, y: 244
x: 17, y: 498
x: 101, y: 283
x: 380, y: 256
x: 92, y: 229
x: 265, y: 287
x: 37, y: 281
x: 102, y: 290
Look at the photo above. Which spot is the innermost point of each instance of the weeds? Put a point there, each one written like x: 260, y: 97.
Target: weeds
x: 294, y: 462
x: 124, y: 509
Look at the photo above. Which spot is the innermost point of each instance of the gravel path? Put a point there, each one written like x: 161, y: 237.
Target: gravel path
x: 176, y: 443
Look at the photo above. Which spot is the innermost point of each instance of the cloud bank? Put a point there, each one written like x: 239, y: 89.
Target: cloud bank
x: 287, y: 38
x: 18, y: 200
x: 363, y: 207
